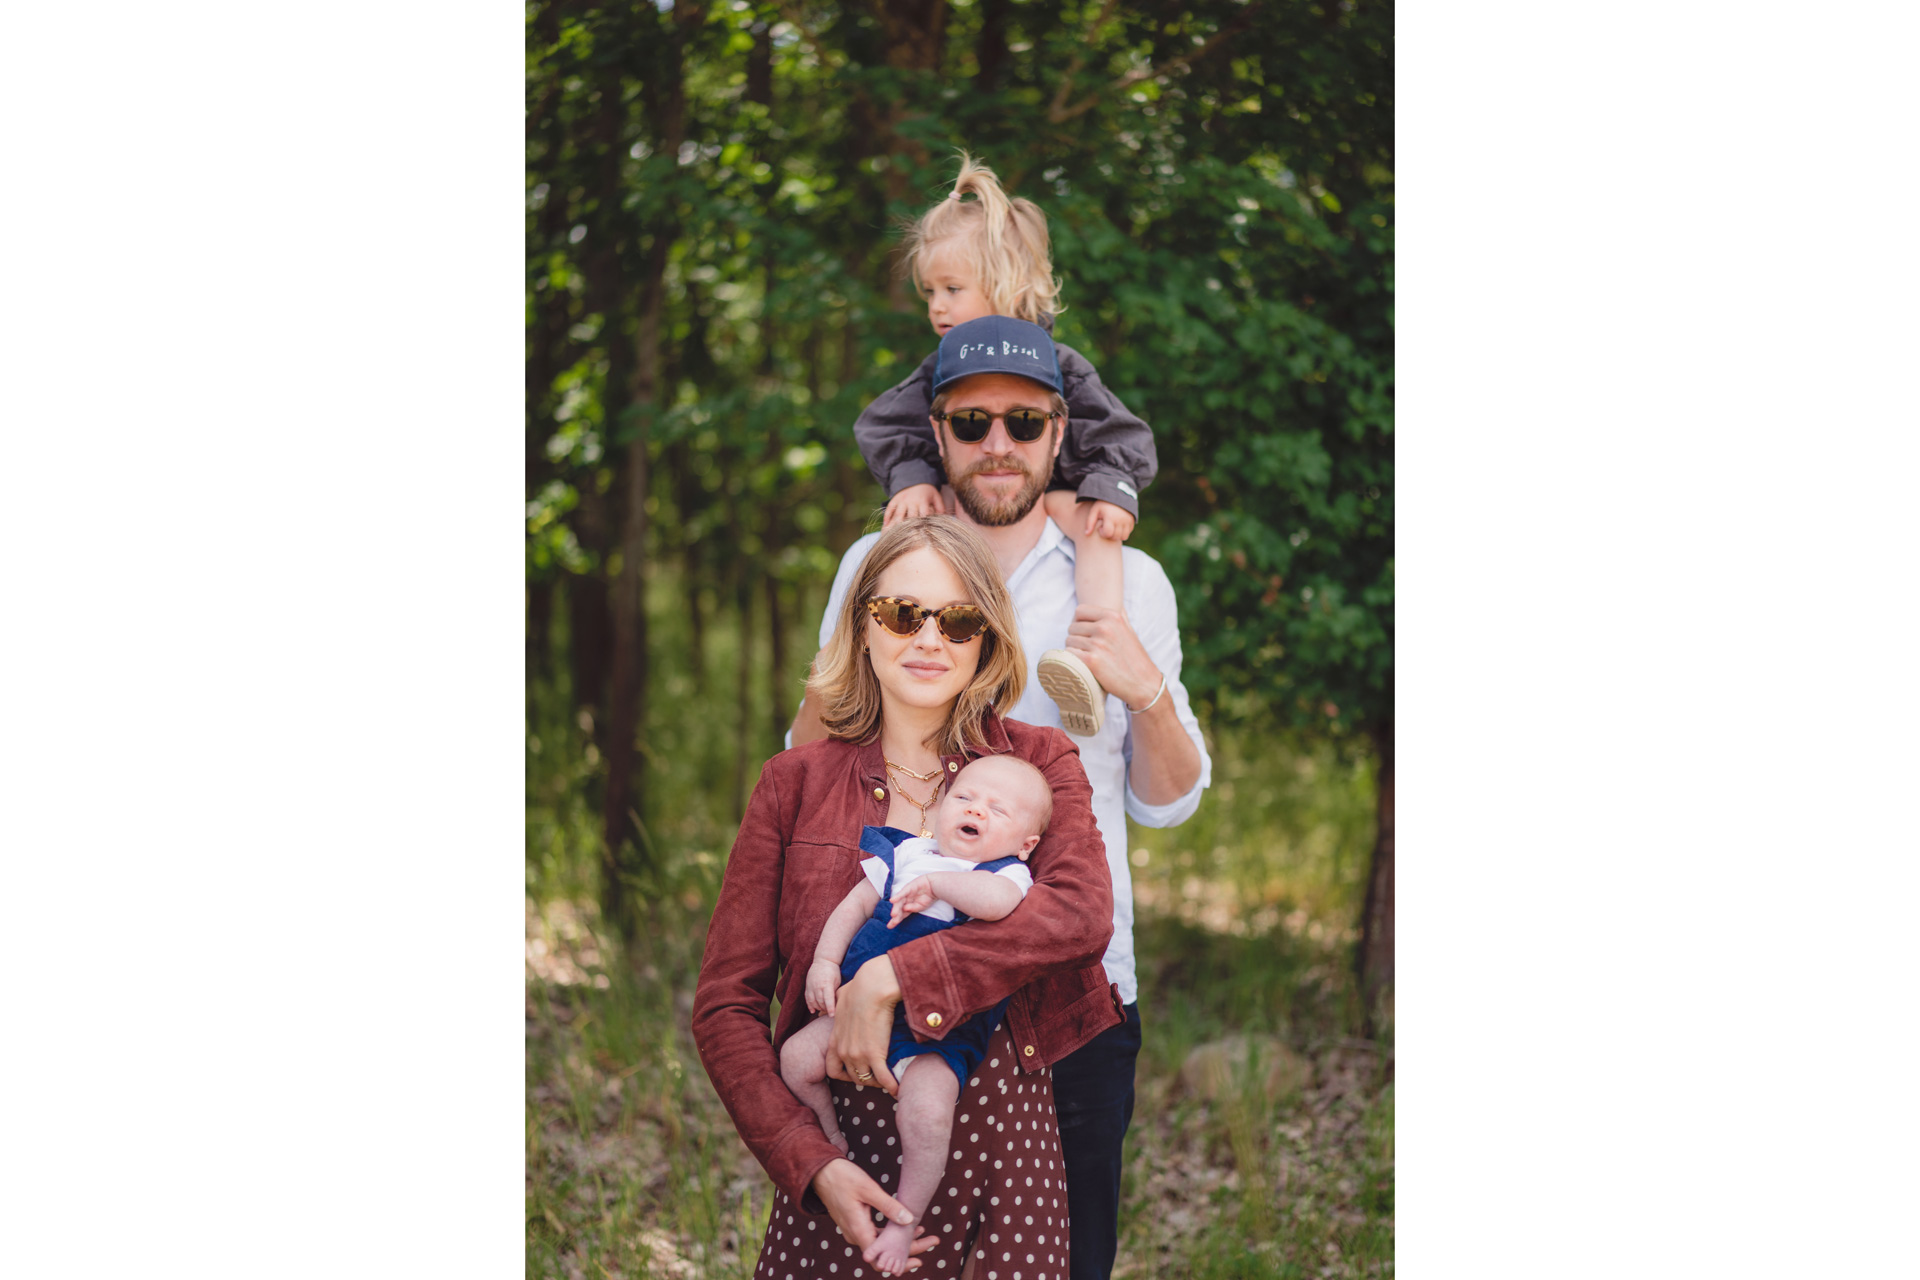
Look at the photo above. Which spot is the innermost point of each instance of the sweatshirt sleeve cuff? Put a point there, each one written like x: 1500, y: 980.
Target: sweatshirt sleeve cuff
x: 927, y: 989
x: 910, y: 472
x: 1108, y: 486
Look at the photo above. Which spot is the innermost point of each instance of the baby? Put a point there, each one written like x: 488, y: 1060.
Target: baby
x: 990, y: 821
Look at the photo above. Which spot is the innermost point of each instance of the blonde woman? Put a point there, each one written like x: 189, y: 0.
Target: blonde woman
x: 926, y: 648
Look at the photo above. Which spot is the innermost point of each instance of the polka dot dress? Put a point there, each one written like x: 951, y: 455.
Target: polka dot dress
x: 1003, y: 1184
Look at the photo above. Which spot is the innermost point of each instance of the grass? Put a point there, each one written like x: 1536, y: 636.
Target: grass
x: 1245, y: 929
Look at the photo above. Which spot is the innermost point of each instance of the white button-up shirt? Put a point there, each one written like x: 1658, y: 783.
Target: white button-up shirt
x: 1044, y: 597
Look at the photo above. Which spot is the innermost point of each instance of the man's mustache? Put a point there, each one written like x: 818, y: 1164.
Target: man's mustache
x: 1006, y: 464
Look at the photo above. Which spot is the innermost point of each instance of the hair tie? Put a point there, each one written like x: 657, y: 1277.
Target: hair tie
x: 953, y: 195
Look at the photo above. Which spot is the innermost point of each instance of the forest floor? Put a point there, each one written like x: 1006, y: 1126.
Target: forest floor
x: 1262, y: 1141
x: 1276, y: 1163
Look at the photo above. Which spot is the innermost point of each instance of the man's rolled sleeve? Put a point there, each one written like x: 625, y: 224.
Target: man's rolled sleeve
x: 1154, y: 613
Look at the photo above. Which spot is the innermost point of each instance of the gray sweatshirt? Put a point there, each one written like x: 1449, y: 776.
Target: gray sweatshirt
x: 1106, y: 446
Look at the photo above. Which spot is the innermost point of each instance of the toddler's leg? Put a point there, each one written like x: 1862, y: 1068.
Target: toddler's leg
x: 925, y: 1115
x: 1098, y: 576
x: 803, y: 1065
x: 1098, y: 581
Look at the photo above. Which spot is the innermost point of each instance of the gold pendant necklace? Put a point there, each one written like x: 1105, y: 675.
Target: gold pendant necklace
x: 926, y: 831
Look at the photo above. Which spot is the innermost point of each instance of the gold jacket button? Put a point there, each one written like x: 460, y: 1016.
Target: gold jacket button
x: 952, y: 767
x: 1029, y: 1051
x: 879, y: 794
x: 933, y: 1019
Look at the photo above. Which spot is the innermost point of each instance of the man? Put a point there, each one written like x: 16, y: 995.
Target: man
x: 1148, y: 763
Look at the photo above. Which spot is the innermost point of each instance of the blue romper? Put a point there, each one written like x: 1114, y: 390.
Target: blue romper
x: 964, y: 1047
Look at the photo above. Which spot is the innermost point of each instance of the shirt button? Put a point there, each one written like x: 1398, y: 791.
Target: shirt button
x: 1029, y: 1051
x: 879, y: 794
x: 952, y: 767
x: 933, y: 1019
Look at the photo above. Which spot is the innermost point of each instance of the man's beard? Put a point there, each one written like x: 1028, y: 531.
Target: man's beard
x: 997, y: 512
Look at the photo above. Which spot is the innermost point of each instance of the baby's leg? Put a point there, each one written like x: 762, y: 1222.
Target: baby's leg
x: 925, y: 1115
x: 803, y: 1065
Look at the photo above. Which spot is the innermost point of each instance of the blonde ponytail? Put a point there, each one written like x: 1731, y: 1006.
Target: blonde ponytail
x: 1004, y: 240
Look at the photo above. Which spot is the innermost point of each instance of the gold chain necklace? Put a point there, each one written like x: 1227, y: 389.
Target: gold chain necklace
x: 926, y: 831
x: 923, y: 777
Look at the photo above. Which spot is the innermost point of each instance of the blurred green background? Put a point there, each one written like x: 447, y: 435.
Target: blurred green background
x: 714, y: 194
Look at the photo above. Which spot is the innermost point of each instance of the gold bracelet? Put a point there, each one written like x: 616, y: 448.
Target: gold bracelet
x: 1150, y: 701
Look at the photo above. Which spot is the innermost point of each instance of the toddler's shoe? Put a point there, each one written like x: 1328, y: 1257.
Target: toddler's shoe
x: 1082, y: 702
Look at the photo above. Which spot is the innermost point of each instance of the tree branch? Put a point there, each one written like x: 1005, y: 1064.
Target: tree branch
x: 1060, y: 112
x: 1079, y: 60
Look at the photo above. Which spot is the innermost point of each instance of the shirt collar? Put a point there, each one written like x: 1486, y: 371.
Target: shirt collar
x: 1051, y: 540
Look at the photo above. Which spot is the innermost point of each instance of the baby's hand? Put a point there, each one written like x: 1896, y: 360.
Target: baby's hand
x: 916, y: 895
x: 1105, y: 520
x: 823, y: 985
x: 914, y: 500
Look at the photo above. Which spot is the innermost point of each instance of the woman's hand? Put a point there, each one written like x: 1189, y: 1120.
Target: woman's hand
x: 823, y: 980
x: 850, y: 1196
x: 862, y: 1023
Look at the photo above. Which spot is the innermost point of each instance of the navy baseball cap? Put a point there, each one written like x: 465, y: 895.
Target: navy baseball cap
x: 997, y: 344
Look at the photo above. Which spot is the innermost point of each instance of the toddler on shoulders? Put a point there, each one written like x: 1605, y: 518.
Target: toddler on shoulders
x: 991, y: 256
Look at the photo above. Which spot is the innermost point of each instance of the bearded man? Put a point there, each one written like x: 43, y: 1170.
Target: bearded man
x: 1149, y: 764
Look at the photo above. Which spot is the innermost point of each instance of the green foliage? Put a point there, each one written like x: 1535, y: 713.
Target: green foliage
x: 1219, y: 182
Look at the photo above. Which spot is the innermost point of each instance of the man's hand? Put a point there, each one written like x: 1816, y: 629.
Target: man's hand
x: 1107, y: 520
x: 916, y: 895
x: 850, y: 1196
x: 858, y: 1049
x: 1105, y: 641
x: 823, y: 982
x: 914, y: 500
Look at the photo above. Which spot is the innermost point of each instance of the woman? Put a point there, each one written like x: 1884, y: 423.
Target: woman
x: 907, y: 695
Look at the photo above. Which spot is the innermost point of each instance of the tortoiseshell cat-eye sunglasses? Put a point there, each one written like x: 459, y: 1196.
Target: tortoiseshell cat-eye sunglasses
x: 957, y: 622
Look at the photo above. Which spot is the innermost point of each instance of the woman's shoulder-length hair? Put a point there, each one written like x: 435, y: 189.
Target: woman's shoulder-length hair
x: 843, y: 686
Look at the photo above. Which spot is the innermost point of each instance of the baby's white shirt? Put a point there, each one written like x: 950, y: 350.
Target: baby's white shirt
x: 921, y: 856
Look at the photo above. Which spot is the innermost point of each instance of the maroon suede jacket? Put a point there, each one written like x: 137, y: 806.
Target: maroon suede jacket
x: 797, y: 855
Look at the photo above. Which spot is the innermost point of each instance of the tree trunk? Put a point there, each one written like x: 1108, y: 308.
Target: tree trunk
x: 990, y: 50
x: 623, y: 797
x: 782, y: 700
x: 743, y: 746
x: 1376, y: 916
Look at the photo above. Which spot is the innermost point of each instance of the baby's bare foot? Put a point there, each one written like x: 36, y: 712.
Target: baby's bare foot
x: 888, y: 1253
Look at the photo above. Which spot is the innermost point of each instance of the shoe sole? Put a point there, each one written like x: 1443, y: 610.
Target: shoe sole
x: 1079, y: 697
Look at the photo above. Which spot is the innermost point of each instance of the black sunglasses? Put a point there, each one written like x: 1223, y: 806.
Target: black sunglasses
x: 970, y: 426
x: 957, y: 622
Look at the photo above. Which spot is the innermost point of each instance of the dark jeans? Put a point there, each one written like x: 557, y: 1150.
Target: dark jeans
x: 1093, y: 1098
